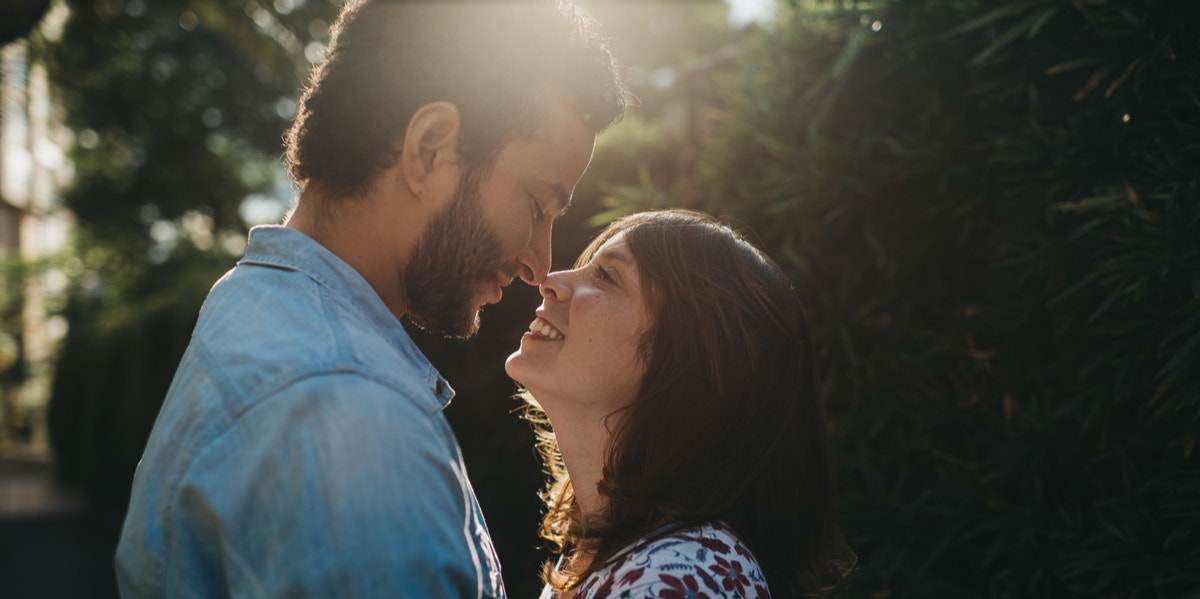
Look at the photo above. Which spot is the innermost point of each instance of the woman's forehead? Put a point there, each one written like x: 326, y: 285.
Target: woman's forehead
x: 616, y: 247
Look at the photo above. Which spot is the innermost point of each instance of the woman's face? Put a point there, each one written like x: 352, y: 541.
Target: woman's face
x: 581, y: 352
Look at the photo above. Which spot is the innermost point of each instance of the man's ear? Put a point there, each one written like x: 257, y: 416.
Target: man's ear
x: 429, y: 151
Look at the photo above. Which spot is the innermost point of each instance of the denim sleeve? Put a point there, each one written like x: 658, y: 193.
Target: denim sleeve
x: 336, y: 486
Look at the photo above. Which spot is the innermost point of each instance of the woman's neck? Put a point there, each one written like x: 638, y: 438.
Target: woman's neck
x: 583, y: 455
x: 582, y: 439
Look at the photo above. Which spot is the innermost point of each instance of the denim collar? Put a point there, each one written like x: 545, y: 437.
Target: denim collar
x: 284, y: 247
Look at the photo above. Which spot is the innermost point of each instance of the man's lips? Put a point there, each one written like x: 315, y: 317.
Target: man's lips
x: 496, y: 293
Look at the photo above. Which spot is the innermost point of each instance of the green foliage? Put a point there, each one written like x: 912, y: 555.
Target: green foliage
x: 991, y: 212
x: 180, y: 100
x: 632, y: 163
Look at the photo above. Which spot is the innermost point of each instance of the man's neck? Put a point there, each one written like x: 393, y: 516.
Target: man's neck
x: 366, y: 233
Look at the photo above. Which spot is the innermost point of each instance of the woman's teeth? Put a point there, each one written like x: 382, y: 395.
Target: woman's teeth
x: 541, y: 327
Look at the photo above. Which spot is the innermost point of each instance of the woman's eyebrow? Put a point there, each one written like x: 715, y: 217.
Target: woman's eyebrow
x: 619, y: 255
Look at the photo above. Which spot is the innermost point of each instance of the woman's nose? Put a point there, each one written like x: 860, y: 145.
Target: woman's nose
x: 556, y: 285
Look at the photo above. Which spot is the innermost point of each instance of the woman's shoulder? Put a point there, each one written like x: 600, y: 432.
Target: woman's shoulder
x: 708, y: 560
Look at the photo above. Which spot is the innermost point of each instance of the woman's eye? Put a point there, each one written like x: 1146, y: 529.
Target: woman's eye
x: 538, y: 213
x: 602, y: 273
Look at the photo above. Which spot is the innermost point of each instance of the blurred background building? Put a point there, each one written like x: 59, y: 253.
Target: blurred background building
x: 34, y: 230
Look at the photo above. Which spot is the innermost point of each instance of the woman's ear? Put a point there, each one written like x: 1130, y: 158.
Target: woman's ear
x: 428, y: 154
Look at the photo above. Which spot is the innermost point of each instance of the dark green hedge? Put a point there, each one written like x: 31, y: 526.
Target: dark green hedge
x: 990, y: 211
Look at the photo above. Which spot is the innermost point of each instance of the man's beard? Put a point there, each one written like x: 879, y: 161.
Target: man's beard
x: 456, y: 253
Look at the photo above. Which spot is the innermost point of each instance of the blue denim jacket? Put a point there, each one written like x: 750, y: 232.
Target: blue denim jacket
x: 301, y: 450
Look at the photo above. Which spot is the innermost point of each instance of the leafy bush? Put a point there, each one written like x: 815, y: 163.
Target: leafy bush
x: 991, y: 212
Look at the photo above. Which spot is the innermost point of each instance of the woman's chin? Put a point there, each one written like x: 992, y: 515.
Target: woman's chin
x: 517, y: 366
x: 508, y: 364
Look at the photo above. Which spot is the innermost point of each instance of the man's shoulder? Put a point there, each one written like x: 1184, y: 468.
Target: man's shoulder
x: 263, y: 329
x: 330, y: 459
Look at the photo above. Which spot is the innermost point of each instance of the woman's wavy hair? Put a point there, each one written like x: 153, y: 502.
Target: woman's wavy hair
x: 727, y: 424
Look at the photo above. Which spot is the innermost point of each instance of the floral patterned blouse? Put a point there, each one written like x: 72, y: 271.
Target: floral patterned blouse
x: 704, y: 561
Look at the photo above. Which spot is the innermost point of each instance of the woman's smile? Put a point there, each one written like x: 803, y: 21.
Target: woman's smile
x: 542, y: 329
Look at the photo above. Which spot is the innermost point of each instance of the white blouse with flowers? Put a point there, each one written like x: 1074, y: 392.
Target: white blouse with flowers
x: 704, y: 561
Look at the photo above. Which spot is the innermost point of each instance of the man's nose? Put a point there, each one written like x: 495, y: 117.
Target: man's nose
x: 534, y: 261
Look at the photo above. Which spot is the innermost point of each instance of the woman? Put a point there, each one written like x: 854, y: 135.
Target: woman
x: 682, y: 430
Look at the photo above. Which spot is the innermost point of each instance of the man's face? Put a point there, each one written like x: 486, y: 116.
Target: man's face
x: 497, y: 226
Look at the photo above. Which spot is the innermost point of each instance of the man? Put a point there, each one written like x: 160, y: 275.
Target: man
x: 301, y: 450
